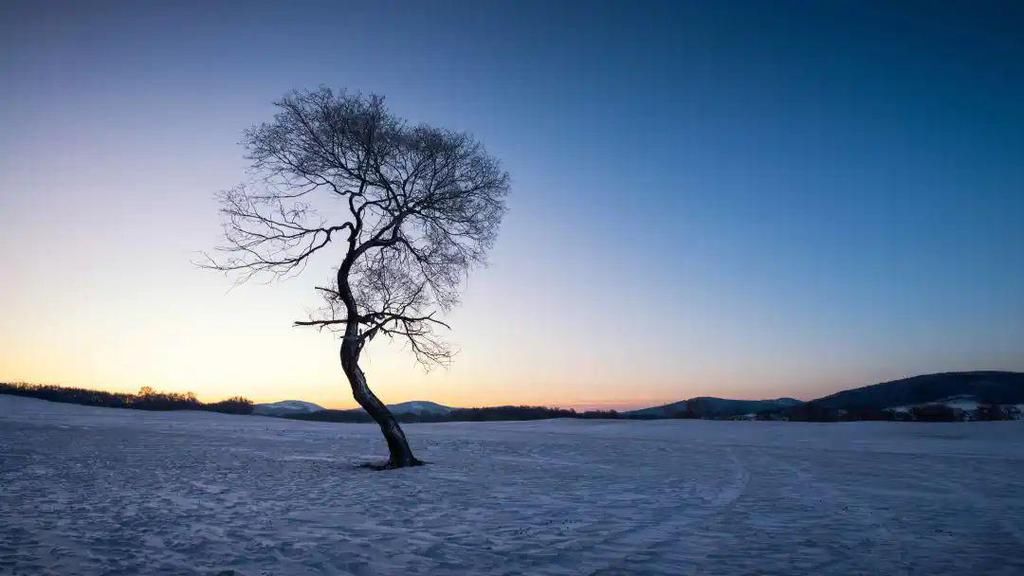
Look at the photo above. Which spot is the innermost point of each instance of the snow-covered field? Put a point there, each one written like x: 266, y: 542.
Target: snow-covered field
x: 103, y: 491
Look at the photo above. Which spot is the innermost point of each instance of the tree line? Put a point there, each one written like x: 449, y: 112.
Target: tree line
x: 146, y: 399
x: 149, y: 399
x: 925, y: 413
x: 489, y: 414
x: 933, y: 412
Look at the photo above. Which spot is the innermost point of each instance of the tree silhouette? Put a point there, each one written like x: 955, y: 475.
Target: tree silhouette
x: 413, y: 207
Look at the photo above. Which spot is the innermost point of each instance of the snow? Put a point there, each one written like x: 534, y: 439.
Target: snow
x: 967, y: 405
x: 962, y: 402
x: 286, y: 407
x: 104, y: 491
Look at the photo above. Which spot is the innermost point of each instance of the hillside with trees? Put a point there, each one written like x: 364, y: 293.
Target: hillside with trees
x: 146, y: 399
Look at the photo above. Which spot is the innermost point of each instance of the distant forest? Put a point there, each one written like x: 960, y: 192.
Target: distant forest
x: 934, y: 412
x: 145, y: 399
x: 925, y: 398
x: 924, y: 413
x: 491, y: 414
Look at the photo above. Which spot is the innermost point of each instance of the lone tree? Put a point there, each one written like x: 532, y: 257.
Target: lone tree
x: 406, y: 210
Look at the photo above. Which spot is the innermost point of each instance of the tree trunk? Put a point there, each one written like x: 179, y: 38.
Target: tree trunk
x: 401, y: 455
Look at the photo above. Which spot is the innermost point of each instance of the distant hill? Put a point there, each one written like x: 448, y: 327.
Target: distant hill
x: 947, y: 388
x: 948, y: 396
x: 934, y: 397
x: 710, y: 407
x: 413, y: 411
x: 286, y: 408
x: 420, y: 408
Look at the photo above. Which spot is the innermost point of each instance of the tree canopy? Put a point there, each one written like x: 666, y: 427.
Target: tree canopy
x: 414, y: 207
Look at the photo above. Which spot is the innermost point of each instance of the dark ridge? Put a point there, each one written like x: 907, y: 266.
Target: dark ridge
x: 488, y: 414
x: 988, y: 388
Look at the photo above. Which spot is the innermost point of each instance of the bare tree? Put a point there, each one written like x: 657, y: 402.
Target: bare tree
x: 412, y: 208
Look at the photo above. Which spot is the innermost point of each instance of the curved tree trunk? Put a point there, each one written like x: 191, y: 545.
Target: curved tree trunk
x: 401, y: 455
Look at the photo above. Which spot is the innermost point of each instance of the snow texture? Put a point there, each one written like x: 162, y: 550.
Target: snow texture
x: 121, y: 492
x: 286, y: 407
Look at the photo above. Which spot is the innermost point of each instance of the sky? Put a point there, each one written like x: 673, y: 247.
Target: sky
x: 747, y: 200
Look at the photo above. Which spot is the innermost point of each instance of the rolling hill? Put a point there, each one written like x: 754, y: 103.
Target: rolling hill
x: 710, y: 407
x: 420, y: 408
x: 285, y: 408
x: 946, y: 388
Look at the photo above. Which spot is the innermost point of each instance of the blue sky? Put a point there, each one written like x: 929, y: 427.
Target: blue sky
x: 709, y: 198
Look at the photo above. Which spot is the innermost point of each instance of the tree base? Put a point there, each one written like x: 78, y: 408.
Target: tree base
x: 389, y: 465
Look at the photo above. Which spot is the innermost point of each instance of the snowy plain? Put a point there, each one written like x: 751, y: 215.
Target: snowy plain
x: 88, y: 490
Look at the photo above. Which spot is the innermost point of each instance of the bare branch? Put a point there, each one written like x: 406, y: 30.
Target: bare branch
x: 417, y: 207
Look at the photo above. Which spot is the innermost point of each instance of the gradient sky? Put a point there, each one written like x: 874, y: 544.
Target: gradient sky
x: 709, y: 198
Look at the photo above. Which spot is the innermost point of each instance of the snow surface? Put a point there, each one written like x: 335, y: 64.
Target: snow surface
x: 962, y: 402
x: 105, y: 491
